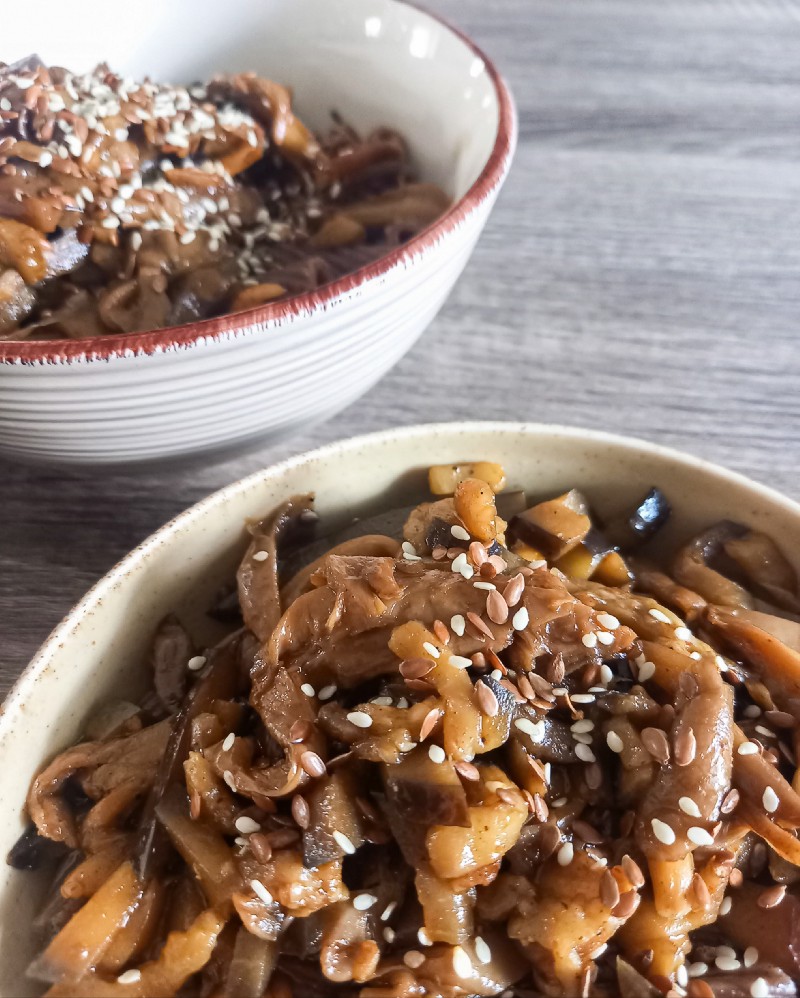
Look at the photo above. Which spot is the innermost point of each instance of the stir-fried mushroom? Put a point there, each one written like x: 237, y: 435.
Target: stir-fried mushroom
x: 128, y: 205
x: 479, y: 760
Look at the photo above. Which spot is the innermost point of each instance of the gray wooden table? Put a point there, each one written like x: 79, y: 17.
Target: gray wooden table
x: 641, y: 273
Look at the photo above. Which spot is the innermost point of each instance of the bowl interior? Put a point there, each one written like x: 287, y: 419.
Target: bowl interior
x: 377, y: 62
x: 97, y: 653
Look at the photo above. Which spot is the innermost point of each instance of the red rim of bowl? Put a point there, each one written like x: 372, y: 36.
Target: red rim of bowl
x: 137, y: 344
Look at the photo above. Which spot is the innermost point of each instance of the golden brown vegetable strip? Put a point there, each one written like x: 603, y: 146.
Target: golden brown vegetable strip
x: 257, y: 577
x: 777, y: 665
x: 370, y: 545
x: 133, y: 938
x: 80, y: 945
x: 699, y: 770
x: 251, y: 966
x: 89, y: 875
x: 184, y: 954
x: 203, y: 849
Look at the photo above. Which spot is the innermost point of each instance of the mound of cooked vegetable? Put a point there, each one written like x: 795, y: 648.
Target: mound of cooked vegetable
x: 129, y: 205
x: 478, y: 747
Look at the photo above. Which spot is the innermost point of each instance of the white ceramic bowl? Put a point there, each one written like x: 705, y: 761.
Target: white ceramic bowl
x: 97, y: 652
x: 262, y: 373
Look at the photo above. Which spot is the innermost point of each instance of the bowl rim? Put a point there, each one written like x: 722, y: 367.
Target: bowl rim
x: 25, y: 684
x: 183, y: 336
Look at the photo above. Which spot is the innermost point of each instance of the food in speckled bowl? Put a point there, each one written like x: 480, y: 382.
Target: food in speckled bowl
x: 301, y: 343
x: 627, y: 752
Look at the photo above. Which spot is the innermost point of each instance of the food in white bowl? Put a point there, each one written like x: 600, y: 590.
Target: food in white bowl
x: 229, y: 379
x: 515, y: 737
x: 129, y: 205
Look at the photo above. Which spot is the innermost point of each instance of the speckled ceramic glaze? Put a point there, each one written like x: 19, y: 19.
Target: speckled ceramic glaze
x: 266, y: 371
x: 97, y: 652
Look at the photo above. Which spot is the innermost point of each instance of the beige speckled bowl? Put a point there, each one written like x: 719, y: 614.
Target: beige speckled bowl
x: 95, y: 654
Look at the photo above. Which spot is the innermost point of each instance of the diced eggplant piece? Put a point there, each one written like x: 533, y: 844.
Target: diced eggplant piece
x: 630, y: 529
x: 32, y: 850
x: 554, y: 527
x: 509, y: 504
x: 421, y: 793
x: 332, y: 808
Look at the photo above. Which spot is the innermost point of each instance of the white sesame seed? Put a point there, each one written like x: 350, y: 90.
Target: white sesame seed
x: 130, y: 977
x: 462, y: 965
x: 560, y: 691
x: 683, y: 633
x: 488, y: 586
x: 110, y: 222
x: 614, y: 742
x: 460, y: 662
x: 695, y: 655
x: 308, y: 689
x: 752, y: 711
x: 725, y: 906
x: 45, y: 159
x: 605, y: 638
x: 722, y: 665
x: 247, y: 825
x: 261, y: 891
x: 583, y: 698
x: 459, y: 532
x: 750, y: 956
x: 699, y: 836
x: 386, y: 914
x: 662, y: 831
x: 196, y: 663
x: 565, y: 854
x: 117, y: 205
x: 187, y: 237
x: 5, y: 104
x: 770, y: 800
x: 389, y: 934
x: 608, y: 620
x: 589, y: 640
x: 458, y: 625
x: 534, y: 729
x: 227, y: 776
x: 327, y: 692
x: 581, y: 727
x: 482, y: 950
x: 726, y: 951
x: 431, y: 649
x: 239, y: 841
x: 496, y: 674
x: 659, y: 616
x: 697, y: 969
x: 759, y: 988
x: 360, y: 718
x: 409, y: 549
x: 728, y: 963
x: 459, y: 562
x: 363, y: 902
x: 343, y: 842
x: 260, y: 555
x: 646, y: 671
x: 136, y: 241
x: 414, y: 959
x: 584, y: 753
x: 558, y: 802
x: 402, y: 704
x: 682, y: 975
x: 688, y: 806
x: 767, y: 732
x: 747, y: 748
x: 228, y: 744
x: 547, y: 769
x: 436, y: 753
x: 520, y: 619
x: 606, y: 675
